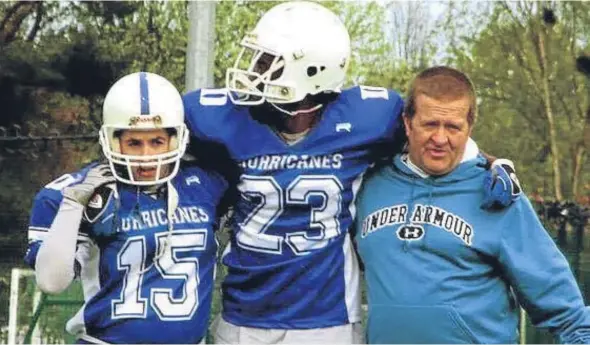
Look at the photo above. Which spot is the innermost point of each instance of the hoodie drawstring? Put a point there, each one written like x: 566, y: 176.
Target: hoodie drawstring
x: 410, y: 208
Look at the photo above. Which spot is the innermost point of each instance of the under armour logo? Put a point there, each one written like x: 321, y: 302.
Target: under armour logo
x: 193, y: 179
x: 410, y: 232
x: 344, y: 126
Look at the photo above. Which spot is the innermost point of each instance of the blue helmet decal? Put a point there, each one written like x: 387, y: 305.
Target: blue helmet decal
x: 144, y: 94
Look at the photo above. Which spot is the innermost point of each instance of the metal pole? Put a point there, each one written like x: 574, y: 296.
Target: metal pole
x: 33, y: 330
x: 13, y: 313
x: 36, y: 334
x: 200, y: 51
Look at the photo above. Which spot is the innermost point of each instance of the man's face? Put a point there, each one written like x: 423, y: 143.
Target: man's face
x: 438, y: 133
x: 145, y: 143
x: 264, y: 63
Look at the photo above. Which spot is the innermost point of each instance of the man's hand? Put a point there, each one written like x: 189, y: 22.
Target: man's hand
x: 501, y: 186
x: 96, y: 177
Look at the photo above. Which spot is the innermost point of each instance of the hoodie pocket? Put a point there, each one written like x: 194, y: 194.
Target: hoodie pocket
x: 408, y: 324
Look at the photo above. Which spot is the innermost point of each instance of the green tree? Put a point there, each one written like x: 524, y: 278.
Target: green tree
x: 531, y: 94
x: 59, y: 58
x: 410, y: 46
x: 365, y: 22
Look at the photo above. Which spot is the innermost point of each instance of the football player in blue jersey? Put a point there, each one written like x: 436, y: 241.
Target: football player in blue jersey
x: 137, y: 231
x: 296, y: 146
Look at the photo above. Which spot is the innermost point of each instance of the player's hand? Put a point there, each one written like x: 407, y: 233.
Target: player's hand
x: 501, y: 186
x: 96, y: 177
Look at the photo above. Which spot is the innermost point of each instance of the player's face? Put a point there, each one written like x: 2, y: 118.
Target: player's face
x: 145, y: 143
x: 438, y: 134
x: 264, y: 63
x: 293, y: 124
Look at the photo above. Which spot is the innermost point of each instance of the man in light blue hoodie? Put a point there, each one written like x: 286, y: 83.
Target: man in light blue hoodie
x: 439, y: 269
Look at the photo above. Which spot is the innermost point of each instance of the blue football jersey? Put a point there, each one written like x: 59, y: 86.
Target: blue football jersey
x: 291, y: 264
x: 131, y: 294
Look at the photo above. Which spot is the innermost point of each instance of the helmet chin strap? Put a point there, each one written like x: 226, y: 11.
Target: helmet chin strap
x: 171, y: 205
x: 297, y: 112
x: 292, y: 139
x: 290, y: 136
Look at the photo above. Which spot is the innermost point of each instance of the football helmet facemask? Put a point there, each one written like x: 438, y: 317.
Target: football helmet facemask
x: 143, y: 101
x: 296, y: 49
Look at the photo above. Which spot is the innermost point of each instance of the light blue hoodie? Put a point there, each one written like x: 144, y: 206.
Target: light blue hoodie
x: 441, y: 270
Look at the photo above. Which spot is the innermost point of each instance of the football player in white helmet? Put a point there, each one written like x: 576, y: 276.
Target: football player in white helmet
x: 294, y: 60
x: 137, y: 231
x: 297, y: 146
x: 143, y: 135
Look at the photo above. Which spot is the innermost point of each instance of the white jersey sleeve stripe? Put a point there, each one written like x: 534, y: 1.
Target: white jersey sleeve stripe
x: 37, y: 234
x: 352, y: 290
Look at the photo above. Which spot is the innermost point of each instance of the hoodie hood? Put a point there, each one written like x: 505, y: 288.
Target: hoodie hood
x: 433, y: 257
x: 466, y: 170
x: 423, y: 188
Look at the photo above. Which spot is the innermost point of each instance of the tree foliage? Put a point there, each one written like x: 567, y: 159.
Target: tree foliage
x: 59, y: 59
x: 531, y: 95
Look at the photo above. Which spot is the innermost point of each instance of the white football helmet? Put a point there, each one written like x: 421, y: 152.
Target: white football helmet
x: 143, y: 101
x: 297, y: 48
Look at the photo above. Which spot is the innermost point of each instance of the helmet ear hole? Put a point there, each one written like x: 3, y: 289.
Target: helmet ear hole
x: 315, y: 70
x: 311, y: 71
